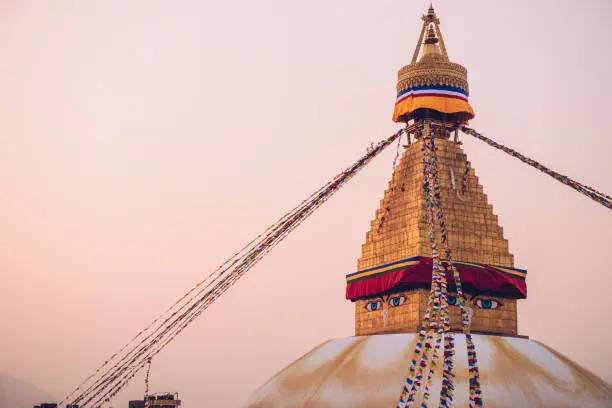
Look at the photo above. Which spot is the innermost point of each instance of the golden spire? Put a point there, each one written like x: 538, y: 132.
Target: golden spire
x: 433, y: 72
x: 431, y: 24
x: 431, y: 13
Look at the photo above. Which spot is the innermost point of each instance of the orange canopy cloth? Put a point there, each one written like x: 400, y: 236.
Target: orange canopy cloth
x: 444, y: 99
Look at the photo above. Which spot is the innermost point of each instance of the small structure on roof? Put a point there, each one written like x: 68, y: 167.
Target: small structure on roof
x: 158, y: 400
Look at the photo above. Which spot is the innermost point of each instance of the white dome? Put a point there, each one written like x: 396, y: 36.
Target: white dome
x: 370, y: 371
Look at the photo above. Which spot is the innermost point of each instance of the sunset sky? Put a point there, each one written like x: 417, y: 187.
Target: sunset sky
x: 142, y: 142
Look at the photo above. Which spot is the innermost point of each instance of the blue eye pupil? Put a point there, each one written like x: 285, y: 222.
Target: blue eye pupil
x: 374, y: 306
x: 486, y: 304
x: 396, y: 302
x: 452, y: 300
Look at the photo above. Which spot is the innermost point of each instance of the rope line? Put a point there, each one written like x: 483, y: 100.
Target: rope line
x: 464, y: 181
x: 392, y: 184
x: 588, y: 191
x: 436, y: 321
x: 219, y: 272
x: 136, y: 354
x: 473, y: 372
x: 221, y: 269
x: 430, y: 323
x: 146, y: 394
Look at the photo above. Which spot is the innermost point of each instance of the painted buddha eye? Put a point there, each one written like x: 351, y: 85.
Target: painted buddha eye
x: 373, y: 306
x: 452, y: 300
x: 487, y: 303
x: 397, y: 301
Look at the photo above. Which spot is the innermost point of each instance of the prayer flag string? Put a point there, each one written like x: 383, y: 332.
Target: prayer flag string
x: 135, y: 355
x: 475, y: 399
x: 146, y: 394
x: 436, y: 321
x: 392, y: 189
x: 590, y: 192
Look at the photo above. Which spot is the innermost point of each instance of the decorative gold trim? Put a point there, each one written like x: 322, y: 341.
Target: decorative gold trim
x: 432, y: 69
x: 432, y: 73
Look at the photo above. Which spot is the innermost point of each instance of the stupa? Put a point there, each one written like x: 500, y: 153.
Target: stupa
x: 391, y: 286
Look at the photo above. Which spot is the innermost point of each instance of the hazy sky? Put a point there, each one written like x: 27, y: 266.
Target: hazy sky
x: 143, y: 142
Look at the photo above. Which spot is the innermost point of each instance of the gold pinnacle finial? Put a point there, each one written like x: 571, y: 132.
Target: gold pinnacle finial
x: 430, y: 17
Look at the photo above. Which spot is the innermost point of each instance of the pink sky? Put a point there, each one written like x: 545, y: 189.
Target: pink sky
x: 143, y: 142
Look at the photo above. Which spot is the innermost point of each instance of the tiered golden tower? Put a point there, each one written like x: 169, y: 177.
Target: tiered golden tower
x: 400, y: 232
x: 432, y: 93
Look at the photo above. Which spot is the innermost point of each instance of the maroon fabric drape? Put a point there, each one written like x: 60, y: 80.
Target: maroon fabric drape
x: 480, y: 278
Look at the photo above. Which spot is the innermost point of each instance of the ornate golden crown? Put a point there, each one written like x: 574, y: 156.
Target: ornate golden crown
x: 433, y: 68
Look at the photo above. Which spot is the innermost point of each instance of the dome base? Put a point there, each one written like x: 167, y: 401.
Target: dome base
x: 369, y: 371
